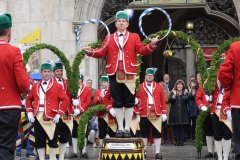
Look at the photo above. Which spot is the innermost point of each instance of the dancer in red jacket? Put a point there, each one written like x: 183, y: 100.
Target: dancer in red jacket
x: 14, y: 81
x: 121, y: 68
x: 229, y: 74
x: 152, y: 109
x: 45, y: 104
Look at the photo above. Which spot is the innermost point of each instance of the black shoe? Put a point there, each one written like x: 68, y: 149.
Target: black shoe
x: 119, y: 134
x: 181, y: 144
x: 177, y: 144
x: 209, y: 155
x: 158, y: 156
x: 73, y: 155
x: 84, y: 155
x: 31, y: 155
x: 127, y: 134
x: 215, y: 155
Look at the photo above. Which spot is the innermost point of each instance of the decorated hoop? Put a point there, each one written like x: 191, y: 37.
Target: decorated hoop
x: 94, y: 21
x: 149, y: 10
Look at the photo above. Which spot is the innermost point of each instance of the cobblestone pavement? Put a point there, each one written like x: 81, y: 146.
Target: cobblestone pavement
x: 168, y: 151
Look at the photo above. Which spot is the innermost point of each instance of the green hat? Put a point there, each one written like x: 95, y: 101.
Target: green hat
x: 46, y: 66
x: 104, y: 79
x: 122, y: 15
x: 58, y: 65
x: 5, y: 21
x: 151, y: 71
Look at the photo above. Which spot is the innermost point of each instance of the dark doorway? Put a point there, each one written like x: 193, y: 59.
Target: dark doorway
x: 175, y: 68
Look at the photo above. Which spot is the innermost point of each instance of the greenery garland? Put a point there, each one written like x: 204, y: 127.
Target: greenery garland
x: 197, y: 50
x: 55, y: 50
x: 75, y: 68
x: 85, y: 117
x: 211, y: 80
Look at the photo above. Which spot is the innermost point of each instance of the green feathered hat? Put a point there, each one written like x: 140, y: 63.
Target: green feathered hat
x: 122, y: 15
x: 151, y: 71
x: 5, y: 21
x: 46, y: 66
x: 58, y: 65
x: 104, y: 79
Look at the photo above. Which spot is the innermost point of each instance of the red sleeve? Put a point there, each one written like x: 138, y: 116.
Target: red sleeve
x: 86, y: 100
x: 64, y: 101
x: 200, y: 97
x: 226, y: 101
x: 96, y: 97
x: 20, y: 73
x: 162, y: 100
x: 107, y: 100
x: 227, y: 68
x: 30, y: 99
x: 141, y: 49
x: 100, y: 53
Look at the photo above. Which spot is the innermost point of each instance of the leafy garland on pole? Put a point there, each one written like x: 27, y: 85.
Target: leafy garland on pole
x: 209, y: 86
x: 85, y: 117
x: 55, y: 50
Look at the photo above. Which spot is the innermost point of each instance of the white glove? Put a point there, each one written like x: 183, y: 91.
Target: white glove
x: 24, y: 102
x: 203, y: 108
x: 208, y: 98
x: 164, y: 117
x: 136, y: 101
x: 76, y: 112
x: 75, y: 102
x: 30, y: 117
x: 112, y: 112
x: 229, y: 115
x: 56, y: 118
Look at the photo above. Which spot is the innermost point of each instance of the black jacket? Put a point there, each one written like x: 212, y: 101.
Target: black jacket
x: 179, y: 110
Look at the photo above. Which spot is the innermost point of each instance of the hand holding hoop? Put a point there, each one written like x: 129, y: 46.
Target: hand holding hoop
x: 95, y: 21
x: 145, y: 13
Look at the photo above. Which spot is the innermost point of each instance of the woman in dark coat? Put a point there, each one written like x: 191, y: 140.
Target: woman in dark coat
x: 178, y: 116
x: 192, y: 106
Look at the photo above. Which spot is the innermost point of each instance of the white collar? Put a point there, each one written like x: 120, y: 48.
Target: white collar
x: 45, y: 81
x: 121, y: 33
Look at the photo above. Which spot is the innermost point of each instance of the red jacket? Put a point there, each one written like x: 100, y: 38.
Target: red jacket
x: 200, y: 98
x: 229, y: 74
x: 14, y: 79
x: 225, y: 104
x: 158, y: 100
x: 84, y: 96
x: 106, y: 100
x: 65, y: 88
x: 131, y: 46
x: 54, y: 95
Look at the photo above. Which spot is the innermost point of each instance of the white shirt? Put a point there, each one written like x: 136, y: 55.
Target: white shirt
x: 79, y: 90
x: 150, y: 98
x: 60, y: 82
x: 42, y: 95
x: 121, y: 40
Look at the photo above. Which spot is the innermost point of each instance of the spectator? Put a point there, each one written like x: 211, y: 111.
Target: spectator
x: 178, y: 116
x: 193, y: 109
x: 89, y: 84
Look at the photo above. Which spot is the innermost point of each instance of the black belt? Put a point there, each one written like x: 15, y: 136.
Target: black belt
x: 219, y: 104
x: 41, y: 105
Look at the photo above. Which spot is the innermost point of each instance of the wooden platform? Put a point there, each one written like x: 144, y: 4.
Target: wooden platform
x: 122, y: 149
